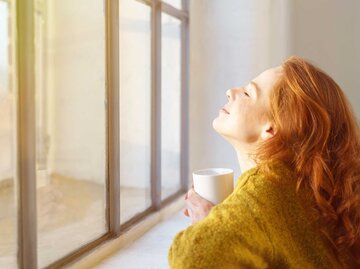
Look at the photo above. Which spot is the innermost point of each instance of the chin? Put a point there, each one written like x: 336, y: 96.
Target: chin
x: 215, y: 125
x: 218, y: 128
x: 224, y: 132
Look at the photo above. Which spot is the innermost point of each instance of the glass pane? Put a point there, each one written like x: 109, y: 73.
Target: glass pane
x: 70, y: 125
x: 175, y: 3
x: 8, y: 208
x: 170, y: 104
x: 135, y: 108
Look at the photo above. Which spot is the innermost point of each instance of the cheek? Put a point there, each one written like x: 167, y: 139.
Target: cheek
x: 245, y: 128
x: 242, y: 125
x: 247, y: 123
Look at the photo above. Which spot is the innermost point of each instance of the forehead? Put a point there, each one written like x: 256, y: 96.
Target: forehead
x: 268, y: 78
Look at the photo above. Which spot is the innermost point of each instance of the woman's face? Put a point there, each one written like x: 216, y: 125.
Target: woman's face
x: 244, y: 121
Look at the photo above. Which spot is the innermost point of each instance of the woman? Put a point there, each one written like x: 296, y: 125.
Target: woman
x: 296, y: 205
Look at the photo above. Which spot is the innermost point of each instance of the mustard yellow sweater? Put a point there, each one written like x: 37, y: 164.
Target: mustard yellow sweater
x: 262, y: 224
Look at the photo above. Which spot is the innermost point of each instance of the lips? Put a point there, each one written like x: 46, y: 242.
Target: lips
x: 223, y: 109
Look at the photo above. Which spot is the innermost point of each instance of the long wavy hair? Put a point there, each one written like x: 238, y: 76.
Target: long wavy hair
x: 317, y: 136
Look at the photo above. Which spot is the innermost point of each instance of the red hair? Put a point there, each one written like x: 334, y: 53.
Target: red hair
x: 318, y: 137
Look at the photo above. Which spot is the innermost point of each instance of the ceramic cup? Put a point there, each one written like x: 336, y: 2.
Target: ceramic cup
x: 214, y: 184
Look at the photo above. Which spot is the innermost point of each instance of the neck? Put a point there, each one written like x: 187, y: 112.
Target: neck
x: 245, y: 161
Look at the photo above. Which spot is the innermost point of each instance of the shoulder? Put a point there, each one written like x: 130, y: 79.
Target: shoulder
x: 269, y: 190
x: 271, y: 176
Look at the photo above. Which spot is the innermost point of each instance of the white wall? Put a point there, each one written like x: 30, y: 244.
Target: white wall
x: 231, y: 42
x: 327, y: 32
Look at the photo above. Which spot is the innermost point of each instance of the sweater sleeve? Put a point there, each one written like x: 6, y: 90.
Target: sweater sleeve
x: 231, y: 236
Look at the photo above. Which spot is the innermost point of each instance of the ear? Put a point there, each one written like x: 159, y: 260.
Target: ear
x: 268, y: 131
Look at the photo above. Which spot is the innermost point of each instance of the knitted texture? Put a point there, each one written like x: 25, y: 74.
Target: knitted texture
x: 262, y: 224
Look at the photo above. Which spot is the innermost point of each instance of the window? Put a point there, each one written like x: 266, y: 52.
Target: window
x: 135, y: 108
x: 174, y: 3
x: 170, y: 105
x: 70, y: 126
x: 8, y: 176
x: 101, y: 136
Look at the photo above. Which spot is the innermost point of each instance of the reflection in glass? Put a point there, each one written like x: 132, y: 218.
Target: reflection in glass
x: 135, y: 101
x: 8, y: 207
x: 70, y: 126
x: 170, y: 104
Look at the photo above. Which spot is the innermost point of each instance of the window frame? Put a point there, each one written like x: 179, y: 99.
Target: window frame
x: 26, y: 125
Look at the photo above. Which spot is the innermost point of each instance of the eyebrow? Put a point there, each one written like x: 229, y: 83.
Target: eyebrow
x: 256, y: 87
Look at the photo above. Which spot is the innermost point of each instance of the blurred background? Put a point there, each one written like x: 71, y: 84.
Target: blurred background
x: 230, y: 42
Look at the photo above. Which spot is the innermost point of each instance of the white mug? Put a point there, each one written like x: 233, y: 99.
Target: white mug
x: 214, y: 184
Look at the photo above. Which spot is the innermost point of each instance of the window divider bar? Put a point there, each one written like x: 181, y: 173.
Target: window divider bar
x: 27, y: 213
x: 113, y: 117
x: 156, y: 104
x: 184, y: 161
x: 172, y: 11
x: 146, y: 2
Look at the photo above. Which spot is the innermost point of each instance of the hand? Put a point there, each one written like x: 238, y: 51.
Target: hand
x: 197, y: 207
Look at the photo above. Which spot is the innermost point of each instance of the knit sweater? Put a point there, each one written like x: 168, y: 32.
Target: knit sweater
x: 262, y: 224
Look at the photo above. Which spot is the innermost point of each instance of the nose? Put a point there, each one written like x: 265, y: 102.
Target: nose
x: 230, y: 94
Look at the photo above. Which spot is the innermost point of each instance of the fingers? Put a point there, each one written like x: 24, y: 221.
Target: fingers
x: 193, y: 196
x: 186, y: 211
x: 189, y: 203
x: 190, y: 192
x: 194, y: 204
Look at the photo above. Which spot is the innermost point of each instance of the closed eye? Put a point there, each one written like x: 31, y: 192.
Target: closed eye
x: 245, y: 91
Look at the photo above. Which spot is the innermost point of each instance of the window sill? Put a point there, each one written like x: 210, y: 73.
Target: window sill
x: 106, y: 252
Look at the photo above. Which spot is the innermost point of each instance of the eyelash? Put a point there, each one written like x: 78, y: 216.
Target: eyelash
x: 246, y: 94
